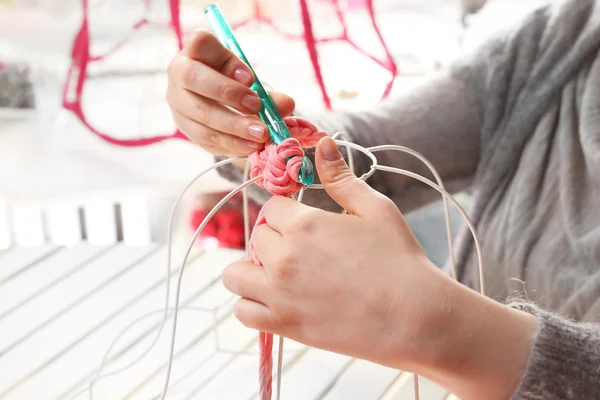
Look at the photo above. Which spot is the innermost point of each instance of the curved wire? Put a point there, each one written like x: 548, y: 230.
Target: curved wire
x: 440, y: 183
x: 180, y: 277
x: 140, y: 319
x: 458, y: 207
x: 349, y: 145
x: 98, y: 372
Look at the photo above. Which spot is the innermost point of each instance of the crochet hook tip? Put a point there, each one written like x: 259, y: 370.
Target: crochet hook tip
x: 307, y: 174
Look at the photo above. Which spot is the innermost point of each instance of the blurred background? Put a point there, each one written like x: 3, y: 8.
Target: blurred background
x: 90, y: 165
x: 53, y: 166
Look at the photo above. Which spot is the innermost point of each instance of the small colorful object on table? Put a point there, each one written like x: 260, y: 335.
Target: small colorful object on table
x: 226, y: 228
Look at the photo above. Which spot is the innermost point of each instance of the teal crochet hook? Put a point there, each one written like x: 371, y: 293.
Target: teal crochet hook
x: 269, y: 114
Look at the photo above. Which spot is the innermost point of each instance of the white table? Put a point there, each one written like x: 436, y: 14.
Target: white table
x: 60, y: 307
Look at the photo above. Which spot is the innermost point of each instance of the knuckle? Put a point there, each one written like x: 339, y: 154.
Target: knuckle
x: 285, y: 267
x: 386, y: 204
x: 230, y: 142
x: 207, y: 140
x: 228, y: 278
x: 225, y: 91
x: 187, y: 72
x: 203, y: 115
x: 304, y: 223
x: 387, y: 207
x: 203, y: 38
x: 241, y: 315
x: 237, y: 125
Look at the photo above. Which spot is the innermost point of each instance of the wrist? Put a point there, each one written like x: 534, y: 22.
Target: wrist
x: 482, y: 348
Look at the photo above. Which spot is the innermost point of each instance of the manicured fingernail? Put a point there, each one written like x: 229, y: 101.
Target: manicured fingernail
x: 242, y: 76
x: 329, y: 149
x: 251, y: 102
x: 257, y: 131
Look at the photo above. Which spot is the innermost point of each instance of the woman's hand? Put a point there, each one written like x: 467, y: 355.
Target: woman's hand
x: 357, y: 284
x: 361, y: 285
x: 211, y: 100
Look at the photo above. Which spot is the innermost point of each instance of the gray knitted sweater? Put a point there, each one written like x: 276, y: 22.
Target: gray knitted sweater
x: 518, y: 123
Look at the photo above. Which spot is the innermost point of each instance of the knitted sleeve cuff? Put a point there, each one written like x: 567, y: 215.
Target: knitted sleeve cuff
x: 565, y: 359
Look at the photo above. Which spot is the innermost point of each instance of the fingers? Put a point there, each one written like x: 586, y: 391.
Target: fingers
x: 284, y: 103
x: 216, y: 116
x: 255, y: 315
x: 204, y: 47
x: 205, y: 81
x: 282, y: 213
x: 213, y: 141
x: 266, y: 244
x: 211, y: 100
x: 341, y: 184
x: 246, y: 279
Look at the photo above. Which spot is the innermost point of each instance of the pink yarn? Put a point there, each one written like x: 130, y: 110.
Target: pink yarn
x: 280, y: 178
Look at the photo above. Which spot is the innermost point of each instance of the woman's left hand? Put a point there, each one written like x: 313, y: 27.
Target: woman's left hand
x: 361, y: 285
x: 357, y: 284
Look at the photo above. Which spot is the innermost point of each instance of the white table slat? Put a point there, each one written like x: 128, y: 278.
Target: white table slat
x: 362, y: 380
x: 28, y: 225
x: 101, y: 223
x: 63, y: 224
x: 5, y: 235
x: 194, y: 333
x: 43, y: 275
x: 18, y: 259
x: 313, y: 375
x: 71, y: 332
x: 243, y: 371
x: 61, y: 307
x: 135, y: 219
x: 199, y: 364
x: 59, y: 315
x: 198, y: 278
x: 201, y: 286
x: 427, y: 390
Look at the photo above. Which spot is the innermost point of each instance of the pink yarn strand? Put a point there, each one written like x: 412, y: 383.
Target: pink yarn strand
x: 280, y: 177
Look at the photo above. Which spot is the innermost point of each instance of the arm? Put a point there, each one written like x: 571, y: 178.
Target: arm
x: 440, y: 120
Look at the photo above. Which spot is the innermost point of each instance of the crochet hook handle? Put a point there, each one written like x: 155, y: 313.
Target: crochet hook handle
x: 269, y: 114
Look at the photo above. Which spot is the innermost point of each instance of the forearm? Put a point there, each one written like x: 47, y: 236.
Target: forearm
x: 481, y: 349
x: 484, y: 347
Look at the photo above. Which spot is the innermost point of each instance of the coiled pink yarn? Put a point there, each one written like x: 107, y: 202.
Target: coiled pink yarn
x: 280, y: 177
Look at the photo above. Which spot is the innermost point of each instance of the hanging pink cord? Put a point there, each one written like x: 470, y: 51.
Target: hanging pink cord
x: 81, y: 58
x: 280, y: 177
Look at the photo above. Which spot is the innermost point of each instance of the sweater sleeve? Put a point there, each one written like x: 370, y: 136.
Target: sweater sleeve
x: 447, y: 119
x: 460, y: 120
x: 565, y: 359
x: 440, y: 120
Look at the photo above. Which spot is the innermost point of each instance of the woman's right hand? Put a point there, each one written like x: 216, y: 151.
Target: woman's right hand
x: 211, y: 100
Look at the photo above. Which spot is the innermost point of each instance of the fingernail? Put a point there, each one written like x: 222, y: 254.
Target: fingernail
x: 257, y: 131
x: 242, y: 76
x: 251, y: 102
x: 330, y: 150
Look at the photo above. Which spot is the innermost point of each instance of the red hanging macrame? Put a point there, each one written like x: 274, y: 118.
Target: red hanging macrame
x: 81, y: 58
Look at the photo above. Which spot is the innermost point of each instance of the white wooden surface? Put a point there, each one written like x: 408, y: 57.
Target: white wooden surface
x: 60, y: 307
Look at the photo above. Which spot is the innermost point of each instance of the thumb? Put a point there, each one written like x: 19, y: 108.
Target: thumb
x: 354, y: 195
